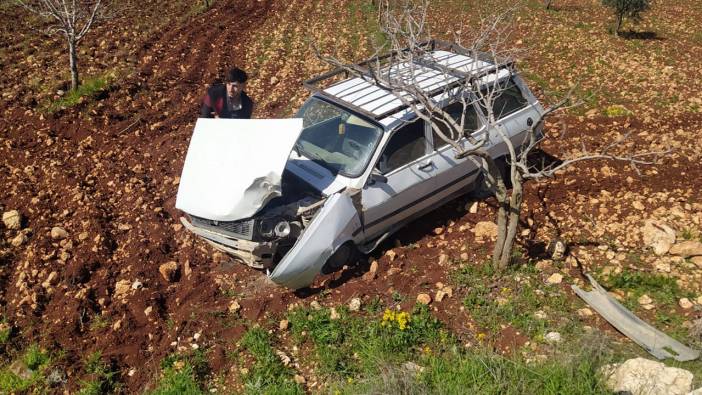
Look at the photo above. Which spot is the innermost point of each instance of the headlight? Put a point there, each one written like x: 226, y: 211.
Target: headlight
x: 267, y: 228
x: 282, y: 229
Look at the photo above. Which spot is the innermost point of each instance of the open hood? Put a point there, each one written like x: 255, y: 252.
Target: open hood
x: 234, y: 166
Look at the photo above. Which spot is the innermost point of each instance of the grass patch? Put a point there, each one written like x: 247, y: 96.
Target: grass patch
x: 351, y: 345
x: 663, y: 290
x: 267, y: 375
x: 617, y: 110
x: 90, y: 89
x: 513, y: 298
x: 483, y: 372
x: 26, y: 373
x: 182, y: 374
x: 103, y: 378
x: 5, y: 332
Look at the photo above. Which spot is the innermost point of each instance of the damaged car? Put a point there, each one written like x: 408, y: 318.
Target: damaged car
x: 300, y: 196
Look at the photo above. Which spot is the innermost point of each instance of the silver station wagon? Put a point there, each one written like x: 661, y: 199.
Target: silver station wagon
x: 299, y: 196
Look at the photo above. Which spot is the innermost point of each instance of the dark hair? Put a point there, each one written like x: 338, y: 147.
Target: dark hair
x: 236, y: 75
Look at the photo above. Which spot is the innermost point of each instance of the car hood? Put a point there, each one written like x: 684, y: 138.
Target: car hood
x: 234, y: 166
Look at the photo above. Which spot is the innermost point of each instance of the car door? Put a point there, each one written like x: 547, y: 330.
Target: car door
x: 405, y: 162
x: 453, y: 175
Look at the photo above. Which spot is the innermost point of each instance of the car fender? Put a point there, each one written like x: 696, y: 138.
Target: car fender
x: 335, y: 224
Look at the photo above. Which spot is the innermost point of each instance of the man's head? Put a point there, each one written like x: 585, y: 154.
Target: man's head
x: 236, y: 81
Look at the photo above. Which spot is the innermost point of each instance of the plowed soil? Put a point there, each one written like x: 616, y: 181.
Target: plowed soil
x: 107, y: 172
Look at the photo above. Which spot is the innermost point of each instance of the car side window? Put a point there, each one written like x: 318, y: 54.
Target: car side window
x: 509, y: 100
x: 455, y: 110
x: 406, y: 145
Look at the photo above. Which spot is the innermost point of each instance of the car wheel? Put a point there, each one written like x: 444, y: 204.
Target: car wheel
x: 347, y: 254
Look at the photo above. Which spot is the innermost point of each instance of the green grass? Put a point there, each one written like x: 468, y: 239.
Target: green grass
x: 5, y: 332
x: 36, y: 361
x: 103, y: 377
x: 512, y: 298
x: 483, y: 372
x: 180, y: 375
x: 354, y: 346
x: 88, y: 90
x: 663, y: 290
x: 267, y: 375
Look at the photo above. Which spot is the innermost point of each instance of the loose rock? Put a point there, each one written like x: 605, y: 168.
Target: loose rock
x: 12, y: 219
x: 169, y: 271
x: 485, y: 229
x: 333, y: 314
x: 122, y: 287
x: 555, y: 278
x: 687, y: 249
x: 283, y: 325
x: 424, y: 299
x: 685, y: 303
x: 234, y: 306
x: 355, y: 304
x: 645, y: 299
x: 641, y: 376
x: 18, y: 240
x: 299, y: 379
x: 658, y: 235
x: 58, y: 233
x: 553, y: 337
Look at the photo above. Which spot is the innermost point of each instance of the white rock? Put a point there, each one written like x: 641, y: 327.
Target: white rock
x: 685, y: 303
x: 18, y: 240
x: 687, y: 248
x: 553, y: 337
x: 645, y: 299
x: 555, y: 278
x: 58, y: 233
x: 658, y: 235
x: 355, y: 304
x: 12, y: 219
x: 640, y: 376
x: 485, y: 229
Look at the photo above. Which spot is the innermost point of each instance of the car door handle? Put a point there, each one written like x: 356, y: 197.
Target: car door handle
x: 425, y: 166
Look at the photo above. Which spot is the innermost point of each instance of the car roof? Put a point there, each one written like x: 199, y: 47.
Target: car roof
x: 446, y: 68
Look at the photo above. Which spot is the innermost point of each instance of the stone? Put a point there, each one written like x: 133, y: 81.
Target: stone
x: 122, y: 288
x: 553, y: 338
x: 12, y: 219
x: 473, y: 209
x: 391, y: 255
x: 58, y: 233
x: 557, y: 249
x: 638, y: 205
x: 640, y: 376
x: 585, y: 312
x: 438, y: 231
x: 424, y: 299
x: 315, y: 305
x: 686, y: 249
x: 685, y: 303
x: 169, y: 271
x: 283, y: 325
x: 137, y: 285
x: 485, y: 229
x: 540, y: 315
x: 284, y: 358
x: 148, y: 310
x: 412, y: 367
x: 555, y: 278
x: 83, y: 235
x: 699, y: 300
x: 56, y: 377
x: 50, y: 280
x: 299, y: 379
x: 18, y: 240
x: 372, y: 272
x: 440, y: 295
x: 658, y: 236
x: 234, y: 306
x: 355, y: 304
x: 645, y: 299
x: 333, y: 314
x: 697, y: 260
x: 443, y: 259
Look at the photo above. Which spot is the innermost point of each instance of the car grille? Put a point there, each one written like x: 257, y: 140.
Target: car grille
x: 239, y: 229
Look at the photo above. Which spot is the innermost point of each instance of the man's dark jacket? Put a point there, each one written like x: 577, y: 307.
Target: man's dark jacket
x: 215, y: 101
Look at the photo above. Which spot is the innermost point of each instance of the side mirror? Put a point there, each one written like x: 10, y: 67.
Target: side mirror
x: 376, y: 176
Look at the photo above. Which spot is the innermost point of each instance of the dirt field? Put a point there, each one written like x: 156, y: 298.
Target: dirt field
x: 107, y: 169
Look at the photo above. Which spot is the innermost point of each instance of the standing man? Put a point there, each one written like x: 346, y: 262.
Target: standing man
x: 228, y: 100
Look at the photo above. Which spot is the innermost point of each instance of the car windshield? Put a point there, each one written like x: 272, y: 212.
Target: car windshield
x: 335, y: 138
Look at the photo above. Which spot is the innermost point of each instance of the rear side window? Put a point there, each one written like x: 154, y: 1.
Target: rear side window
x: 455, y: 110
x: 509, y: 101
x: 406, y: 145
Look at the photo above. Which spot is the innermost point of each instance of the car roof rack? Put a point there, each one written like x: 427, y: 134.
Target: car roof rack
x: 357, y: 91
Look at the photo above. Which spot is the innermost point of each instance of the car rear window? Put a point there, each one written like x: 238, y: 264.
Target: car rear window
x: 470, y: 125
x: 510, y: 100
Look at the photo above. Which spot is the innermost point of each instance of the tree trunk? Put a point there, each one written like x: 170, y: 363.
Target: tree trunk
x: 502, y: 210
x: 73, y: 61
x: 515, y: 207
x: 618, y: 24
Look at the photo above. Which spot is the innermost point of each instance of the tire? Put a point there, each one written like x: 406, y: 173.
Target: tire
x: 346, y: 254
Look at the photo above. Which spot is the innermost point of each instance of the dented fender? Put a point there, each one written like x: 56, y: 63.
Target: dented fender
x: 335, y: 224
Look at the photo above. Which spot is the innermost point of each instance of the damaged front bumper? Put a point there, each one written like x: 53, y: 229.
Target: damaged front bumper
x: 258, y: 255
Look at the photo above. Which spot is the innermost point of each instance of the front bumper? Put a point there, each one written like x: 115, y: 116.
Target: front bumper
x: 258, y: 255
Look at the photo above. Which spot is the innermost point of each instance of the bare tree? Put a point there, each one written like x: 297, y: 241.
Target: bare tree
x: 72, y: 18
x: 411, y: 49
